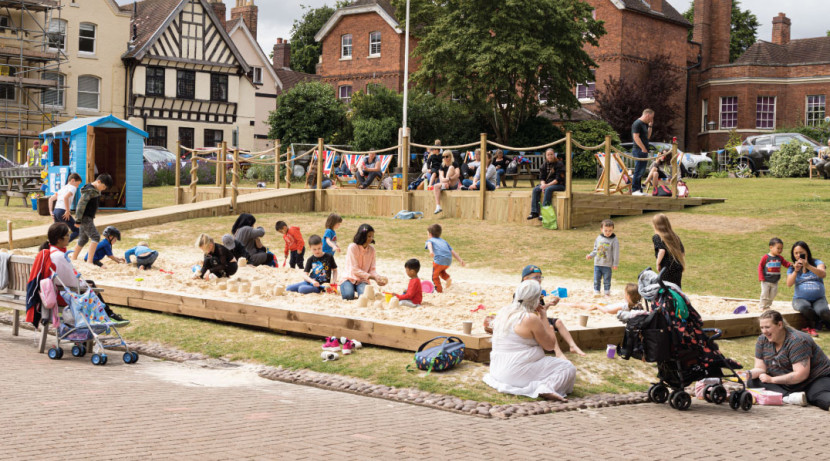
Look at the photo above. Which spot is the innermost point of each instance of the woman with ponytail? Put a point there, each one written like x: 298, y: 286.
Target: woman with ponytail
x: 669, y: 250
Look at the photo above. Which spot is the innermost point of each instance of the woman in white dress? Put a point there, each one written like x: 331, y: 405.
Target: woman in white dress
x: 518, y: 364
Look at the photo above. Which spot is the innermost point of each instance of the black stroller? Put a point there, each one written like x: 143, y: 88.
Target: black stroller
x: 673, y: 337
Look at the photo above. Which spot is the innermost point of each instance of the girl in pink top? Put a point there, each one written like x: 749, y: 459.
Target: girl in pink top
x: 360, y: 264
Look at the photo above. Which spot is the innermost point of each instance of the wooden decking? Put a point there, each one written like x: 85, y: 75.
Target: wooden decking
x: 591, y: 208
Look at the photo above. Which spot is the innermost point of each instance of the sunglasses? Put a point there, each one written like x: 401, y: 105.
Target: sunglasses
x: 447, y: 156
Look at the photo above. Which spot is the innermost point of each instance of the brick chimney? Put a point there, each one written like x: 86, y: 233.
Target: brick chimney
x: 282, y: 54
x: 781, y: 29
x: 219, y: 9
x: 249, y: 13
x: 712, y: 29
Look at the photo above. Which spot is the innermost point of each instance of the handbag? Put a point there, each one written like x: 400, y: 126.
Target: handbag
x: 442, y: 357
x: 549, y: 217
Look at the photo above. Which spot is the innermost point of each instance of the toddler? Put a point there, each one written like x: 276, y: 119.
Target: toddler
x: 412, y: 297
x: 606, y: 256
x: 330, y: 245
x: 218, y: 262
x: 320, y: 269
x: 294, y: 244
x: 628, y: 309
x: 442, y: 254
x: 144, y: 256
x: 769, y: 272
x: 104, y: 248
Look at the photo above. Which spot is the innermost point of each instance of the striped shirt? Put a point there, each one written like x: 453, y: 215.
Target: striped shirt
x: 797, y: 347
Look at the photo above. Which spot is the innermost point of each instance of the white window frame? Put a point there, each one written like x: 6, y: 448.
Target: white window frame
x: 346, y: 49
x: 97, y: 94
x: 720, y: 113
x: 589, y: 97
x: 94, y: 38
x: 819, y: 120
x: 774, y: 109
x: 52, y: 30
x: 60, y: 90
x: 348, y: 98
x: 256, y: 74
x: 372, y: 43
x: 704, y: 115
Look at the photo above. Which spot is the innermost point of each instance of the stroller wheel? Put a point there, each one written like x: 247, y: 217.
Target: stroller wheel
x: 735, y: 400
x: 746, y: 400
x: 128, y: 357
x: 77, y: 351
x: 658, y: 393
x: 681, y: 400
x: 83, y: 351
x: 135, y: 356
x: 97, y: 359
x: 55, y: 353
x: 707, y: 393
x: 104, y: 359
x: 672, y: 398
x: 718, y: 394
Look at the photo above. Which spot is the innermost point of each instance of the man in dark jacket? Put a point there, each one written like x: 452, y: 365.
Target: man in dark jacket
x: 551, y: 179
x: 85, y: 215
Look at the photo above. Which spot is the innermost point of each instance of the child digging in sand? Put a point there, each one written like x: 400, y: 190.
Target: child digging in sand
x: 320, y: 269
x: 413, y: 296
x: 631, y: 307
x: 144, y: 256
x: 532, y: 272
x: 219, y: 261
x: 442, y: 254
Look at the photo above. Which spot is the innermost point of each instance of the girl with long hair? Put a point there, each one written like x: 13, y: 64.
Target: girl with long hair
x: 668, y: 249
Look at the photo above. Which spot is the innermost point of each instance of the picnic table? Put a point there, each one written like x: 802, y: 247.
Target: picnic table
x: 20, y: 182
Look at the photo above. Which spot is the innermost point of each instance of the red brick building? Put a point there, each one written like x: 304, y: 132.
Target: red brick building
x: 363, y: 44
x: 775, y: 84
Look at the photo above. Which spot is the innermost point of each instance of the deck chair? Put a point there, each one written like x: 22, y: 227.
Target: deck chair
x: 328, y: 161
x: 350, y: 161
x: 385, y: 161
x: 619, y: 176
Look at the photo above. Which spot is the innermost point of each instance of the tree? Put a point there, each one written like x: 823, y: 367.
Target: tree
x: 376, y: 117
x: 622, y: 100
x: 498, y: 59
x: 305, y: 51
x: 744, y: 31
x: 431, y: 117
x: 306, y: 112
x: 589, y: 133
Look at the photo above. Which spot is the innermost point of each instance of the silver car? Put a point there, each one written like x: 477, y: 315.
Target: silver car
x: 755, y: 151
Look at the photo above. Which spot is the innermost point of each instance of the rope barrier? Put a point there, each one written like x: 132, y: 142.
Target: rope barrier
x: 525, y: 149
x: 580, y: 146
x: 630, y: 157
x: 201, y: 151
x: 380, y: 151
x: 462, y: 146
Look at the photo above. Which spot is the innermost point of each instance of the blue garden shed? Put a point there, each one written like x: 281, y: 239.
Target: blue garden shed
x: 97, y: 145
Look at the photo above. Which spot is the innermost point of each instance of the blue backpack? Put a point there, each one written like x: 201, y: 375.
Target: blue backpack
x: 404, y: 214
x: 442, y: 357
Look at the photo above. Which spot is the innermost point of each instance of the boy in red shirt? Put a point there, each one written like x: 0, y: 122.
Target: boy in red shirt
x: 769, y: 272
x: 293, y: 243
x: 412, y: 297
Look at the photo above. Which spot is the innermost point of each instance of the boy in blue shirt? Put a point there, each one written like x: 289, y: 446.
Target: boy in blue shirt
x: 442, y: 254
x: 144, y: 256
x: 104, y: 248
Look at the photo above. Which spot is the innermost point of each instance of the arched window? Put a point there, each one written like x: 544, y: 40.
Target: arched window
x: 89, y: 91
x: 346, y: 46
x: 374, y: 44
x: 86, y: 38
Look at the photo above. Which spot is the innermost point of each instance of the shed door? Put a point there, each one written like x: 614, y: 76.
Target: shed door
x: 90, y: 154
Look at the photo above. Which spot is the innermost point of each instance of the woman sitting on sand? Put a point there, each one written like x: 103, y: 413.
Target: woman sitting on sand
x: 360, y: 264
x: 518, y: 364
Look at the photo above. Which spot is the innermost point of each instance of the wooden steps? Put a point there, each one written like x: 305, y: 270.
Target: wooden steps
x: 591, y: 208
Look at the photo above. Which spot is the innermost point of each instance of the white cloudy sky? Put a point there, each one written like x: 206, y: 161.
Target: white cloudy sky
x: 809, y: 17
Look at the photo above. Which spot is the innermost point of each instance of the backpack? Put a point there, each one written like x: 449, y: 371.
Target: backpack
x: 404, y: 214
x: 442, y: 357
x: 512, y: 167
x: 647, y: 338
x: 662, y: 191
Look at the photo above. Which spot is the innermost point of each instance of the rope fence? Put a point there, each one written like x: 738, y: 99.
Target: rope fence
x: 525, y: 149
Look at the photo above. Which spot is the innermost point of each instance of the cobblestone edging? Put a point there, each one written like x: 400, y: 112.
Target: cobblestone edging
x: 409, y: 395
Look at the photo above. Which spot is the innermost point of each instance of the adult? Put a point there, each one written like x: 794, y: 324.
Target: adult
x: 809, y: 298
x: 470, y: 169
x: 251, y: 238
x: 551, y: 179
x: 521, y: 335
x: 489, y: 177
x: 641, y: 132
x: 311, y: 178
x: 790, y: 362
x: 367, y: 170
x: 360, y: 264
x: 500, y: 162
x: 33, y: 155
x: 822, y: 162
x: 668, y: 250
x: 449, y: 177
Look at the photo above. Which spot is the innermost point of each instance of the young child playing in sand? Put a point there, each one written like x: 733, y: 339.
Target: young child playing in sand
x: 769, y: 272
x: 413, y: 296
x: 320, y: 269
x: 104, y: 248
x: 144, y: 256
x: 330, y: 245
x: 442, y: 254
x: 631, y: 307
x: 61, y: 203
x: 294, y: 244
x: 532, y: 272
x: 606, y: 256
x: 219, y: 261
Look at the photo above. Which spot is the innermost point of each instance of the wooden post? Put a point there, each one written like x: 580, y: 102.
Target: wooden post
x: 674, y: 171
x: 277, y: 163
x: 218, y: 166
x: 235, y: 179
x: 9, y: 225
x: 405, y: 171
x: 482, y: 177
x: 223, y: 156
x: 194, y: 178
x: 566, y: 224
x: 606, y: 173
x: 178, y: 173
x: 318, y: 194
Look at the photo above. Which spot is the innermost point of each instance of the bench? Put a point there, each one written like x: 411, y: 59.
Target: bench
x: 19, y: 182
x: 525, y: 171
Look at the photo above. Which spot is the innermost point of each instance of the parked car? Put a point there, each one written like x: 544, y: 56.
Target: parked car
x: 157, y: 156
x: 689, y: 163
x: 755, y: 151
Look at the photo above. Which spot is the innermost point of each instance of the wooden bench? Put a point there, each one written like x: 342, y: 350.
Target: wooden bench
x: 525, y: 171
x: 19, y: 182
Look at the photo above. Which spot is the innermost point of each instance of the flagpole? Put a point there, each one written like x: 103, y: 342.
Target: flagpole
x: 406, y: 74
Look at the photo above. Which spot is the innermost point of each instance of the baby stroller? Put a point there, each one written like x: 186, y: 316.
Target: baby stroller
x: 672, y: 336
x: 84, y: 322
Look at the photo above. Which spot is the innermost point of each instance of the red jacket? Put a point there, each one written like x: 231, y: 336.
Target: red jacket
x: 413, y: 292
x: 293, y: 240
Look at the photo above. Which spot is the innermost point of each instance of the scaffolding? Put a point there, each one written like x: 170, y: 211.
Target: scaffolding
x: 32, y: 88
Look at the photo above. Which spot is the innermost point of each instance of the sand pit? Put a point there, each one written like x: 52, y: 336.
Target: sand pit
x: 470, y: 288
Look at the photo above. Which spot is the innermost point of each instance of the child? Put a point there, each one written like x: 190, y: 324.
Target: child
x: 532, y: 272
x: 219, y: 261
x: 85, y: 214
x: 769, y: 272
x: 293, y: 243
x: 320, y: 269
x: 330, y: 245
x: 656, y: 174
x: 628, y: 309
x: 60, y: 204
x: 606, y: 256
x: 412, y: 297
x: 105, y: 247
x: 237, y: 248
x: 144, y: 256
x: 442, y: 254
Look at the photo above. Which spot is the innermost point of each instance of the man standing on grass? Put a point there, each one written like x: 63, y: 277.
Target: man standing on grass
x: 641, y: 132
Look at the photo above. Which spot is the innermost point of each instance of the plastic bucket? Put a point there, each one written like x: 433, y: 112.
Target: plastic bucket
x: 388, y: 296
x: 34, y: 204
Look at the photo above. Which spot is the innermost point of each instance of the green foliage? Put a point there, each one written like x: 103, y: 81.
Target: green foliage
x: 743, y: 33
x: 819, y: 133
x: 260, y: 173
x: 432, y: 117
x: 589, y: 133
x: 791, y: 161
x: 704, y: 170
x: 372, y: 133
x: 305, y: 51
x: 731, y: 149
x: 498, y: 60
x: 376, y: 118
x: 719, y: 174
x: 535, y: 132
x: 306, y: 112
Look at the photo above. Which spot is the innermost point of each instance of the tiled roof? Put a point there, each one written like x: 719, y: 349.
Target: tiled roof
x: 150, y: 15
x: 803, y: 51
x: 382, y: 3
x: 289, y: 78
x: 230, y: 24
x: 668, y: 13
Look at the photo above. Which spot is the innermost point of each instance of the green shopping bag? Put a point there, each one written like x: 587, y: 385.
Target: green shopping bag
x: 549, y: 217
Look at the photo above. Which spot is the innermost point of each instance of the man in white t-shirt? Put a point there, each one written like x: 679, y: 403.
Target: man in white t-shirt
x: 60, y: 204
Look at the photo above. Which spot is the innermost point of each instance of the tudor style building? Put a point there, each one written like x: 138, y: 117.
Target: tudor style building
x: 186, y: 78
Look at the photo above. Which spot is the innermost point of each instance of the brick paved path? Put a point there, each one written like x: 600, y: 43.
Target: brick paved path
x: 157, y: 410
